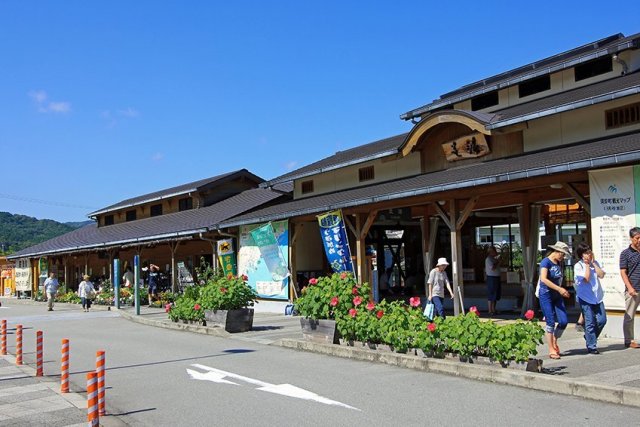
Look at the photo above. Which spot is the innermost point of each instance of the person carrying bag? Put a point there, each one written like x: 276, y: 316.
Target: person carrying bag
x: 86, y: 292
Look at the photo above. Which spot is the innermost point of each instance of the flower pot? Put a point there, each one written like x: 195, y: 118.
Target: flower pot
x: 240, y: 320
x: 320, y: 331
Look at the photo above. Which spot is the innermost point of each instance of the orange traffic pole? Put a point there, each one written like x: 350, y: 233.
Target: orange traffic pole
x: 64, y: 372
x: 39, y: 370
x: 18, y: 344
x: 93, y: 416
x: 3, y: 332
x: 100, y: 362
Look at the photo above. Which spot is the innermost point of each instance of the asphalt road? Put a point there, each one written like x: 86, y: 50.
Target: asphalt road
x: 163, y: 377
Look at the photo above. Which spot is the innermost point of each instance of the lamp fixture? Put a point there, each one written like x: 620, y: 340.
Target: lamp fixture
x: 556, y: 186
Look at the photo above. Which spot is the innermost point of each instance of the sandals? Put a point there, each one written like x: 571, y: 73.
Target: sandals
x: 554, y: 356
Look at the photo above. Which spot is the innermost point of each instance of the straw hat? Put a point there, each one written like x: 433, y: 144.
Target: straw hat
x: 561, y: 247
x: 86, y: 277
x: 442, y: 261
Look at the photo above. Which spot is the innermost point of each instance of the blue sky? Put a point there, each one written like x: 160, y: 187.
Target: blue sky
x: 102, y: 101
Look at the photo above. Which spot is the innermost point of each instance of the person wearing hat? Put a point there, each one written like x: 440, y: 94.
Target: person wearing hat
x: 552, y: 294
x: 86, y: 292
x: 436, y: 283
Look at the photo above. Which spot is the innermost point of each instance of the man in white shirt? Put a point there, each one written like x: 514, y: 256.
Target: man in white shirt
x: 51, y: 288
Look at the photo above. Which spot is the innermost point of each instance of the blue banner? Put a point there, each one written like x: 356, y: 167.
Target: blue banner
x: 336, y: 244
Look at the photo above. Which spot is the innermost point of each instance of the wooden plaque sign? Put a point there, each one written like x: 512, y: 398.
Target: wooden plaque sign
x: 466, y: 147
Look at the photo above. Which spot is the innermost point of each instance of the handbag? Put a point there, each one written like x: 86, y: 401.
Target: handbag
x: 428, y: 310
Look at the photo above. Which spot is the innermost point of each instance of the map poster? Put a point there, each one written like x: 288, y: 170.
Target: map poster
x: 227, y: 256
x: 613, y: 212
x: 253, y: 263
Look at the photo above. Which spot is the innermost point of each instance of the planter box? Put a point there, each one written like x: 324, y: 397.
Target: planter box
x: 240, y: 320
x: 320, y: 331
x: 532, y: 365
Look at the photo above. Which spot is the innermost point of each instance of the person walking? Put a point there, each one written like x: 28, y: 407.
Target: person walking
x: 153, y: 282
x: 436, y: 283
x: 551, y: 294
x: 127, y: 278
x: 86, y: 292
x: 51, y: 289
x: 630, y: 273
x: 587, y: 274
x: 492, y: 271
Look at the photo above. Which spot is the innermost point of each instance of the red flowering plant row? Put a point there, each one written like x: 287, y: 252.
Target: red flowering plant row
x: 403, y: 326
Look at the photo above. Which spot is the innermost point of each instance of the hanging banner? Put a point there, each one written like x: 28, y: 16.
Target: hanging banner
x: 23, y: 275
x: 263, y: 257
x: 227, y: 256
x: 336, y: 244
x: 613, y: 213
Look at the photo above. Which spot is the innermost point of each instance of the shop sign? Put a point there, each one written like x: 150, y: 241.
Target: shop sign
x: 23, y: 275
x: 466, y: 147
x: 227, y: 256
x: 336, y: 244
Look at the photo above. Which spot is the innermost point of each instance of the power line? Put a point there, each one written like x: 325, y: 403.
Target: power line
x: 45, y: 202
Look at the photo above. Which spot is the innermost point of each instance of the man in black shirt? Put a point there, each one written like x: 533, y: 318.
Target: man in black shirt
x: 630, y: 273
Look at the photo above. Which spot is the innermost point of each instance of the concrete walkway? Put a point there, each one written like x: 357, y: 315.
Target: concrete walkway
x: 612, y: 376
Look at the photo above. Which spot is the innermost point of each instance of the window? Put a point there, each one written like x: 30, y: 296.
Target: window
x: 307, y: 187
x: 484, y: 101
x: 155, y: 210
x: 623, y: 116
x: 131, y: 215
x: 593, y: 68
x: 366, y: 174
x: 108, y: 220
x: 533, y: 86
x: 185, y: 204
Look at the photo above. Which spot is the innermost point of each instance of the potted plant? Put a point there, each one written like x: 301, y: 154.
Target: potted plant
x: 324, y: 301
x: 228, y: 301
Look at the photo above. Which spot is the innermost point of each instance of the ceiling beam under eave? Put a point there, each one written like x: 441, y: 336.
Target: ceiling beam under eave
x: 582, y: 201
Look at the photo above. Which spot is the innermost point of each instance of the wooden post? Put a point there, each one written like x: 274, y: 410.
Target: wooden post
x: 173, y: 247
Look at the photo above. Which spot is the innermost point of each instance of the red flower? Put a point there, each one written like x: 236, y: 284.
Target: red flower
x: 431, y: 327
x: 313, y: 281
x: 343, y: 275
x: 473, y: 309
x: 371, y: 306
x: 245, y: 277
x: 379, y: 314
x: 196, y: 307
x: 334, y: 301
x: 357, y: 301
x: 353, y: 312
x: 167, y: 308
x: 529, y: 315
x: 354, y: 291
x: 223, y: 290
x: 229, y: 276
x: 414, y: 301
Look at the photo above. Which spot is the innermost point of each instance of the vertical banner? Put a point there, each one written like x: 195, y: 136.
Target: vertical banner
x: 336, y: 244
x: 23, y: 275
x: 227, y: 256
x: 613, y: 213
x: 43, y: 273
x: 263, y: 257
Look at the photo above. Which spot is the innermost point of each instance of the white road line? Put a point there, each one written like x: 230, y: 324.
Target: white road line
x: 218, y: 375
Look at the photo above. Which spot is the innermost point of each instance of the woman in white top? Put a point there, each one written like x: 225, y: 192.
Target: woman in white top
x: 85, y: 292
x: 436, y: 283
x: 587, y: 273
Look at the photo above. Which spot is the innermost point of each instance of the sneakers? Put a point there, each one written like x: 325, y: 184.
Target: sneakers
x: 593, y: 351
x: 580, y: 327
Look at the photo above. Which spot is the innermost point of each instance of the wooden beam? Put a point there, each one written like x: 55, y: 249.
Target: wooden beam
x: 347, y: 221
x: 468, y: 208
x: 367, y: 224
x: 571, y: 189
x: 442, y: 214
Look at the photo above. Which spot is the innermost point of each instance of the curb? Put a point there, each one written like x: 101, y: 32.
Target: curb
x: 204, y: 330
x: 541, y: 382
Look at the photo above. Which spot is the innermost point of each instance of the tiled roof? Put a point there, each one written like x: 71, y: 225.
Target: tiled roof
x: 607, y: 46
x: 585, y: 155
x: 156, y: 228
x: 362, y: 153
x: 180, y: 189
x: 598, y: 92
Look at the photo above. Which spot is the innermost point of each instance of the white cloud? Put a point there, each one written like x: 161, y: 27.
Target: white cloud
x: 157, y: 157
x: 43, y: 105
x: 129, y: 113
x: 291, y: 165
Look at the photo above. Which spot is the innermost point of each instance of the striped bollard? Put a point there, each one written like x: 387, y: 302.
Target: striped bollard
x: 39, y: 370
x: 100, y: 363
x: 93, y: 416
x: 64, y: 371
x: 18, y: 344
x: 4, y: 337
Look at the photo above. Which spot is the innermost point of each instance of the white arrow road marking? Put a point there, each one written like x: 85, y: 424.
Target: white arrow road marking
x: 217, y: 375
